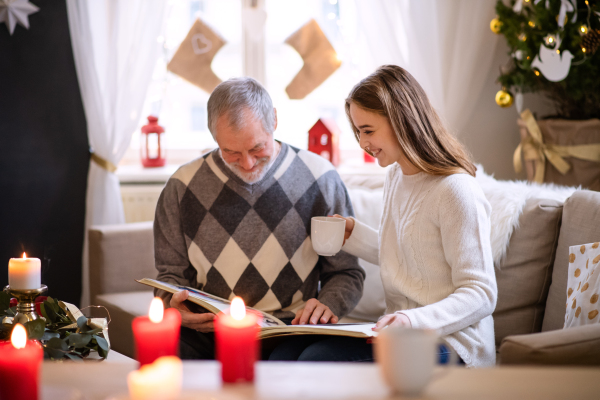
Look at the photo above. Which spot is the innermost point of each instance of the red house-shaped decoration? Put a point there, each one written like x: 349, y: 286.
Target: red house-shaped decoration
x: 323, y: 139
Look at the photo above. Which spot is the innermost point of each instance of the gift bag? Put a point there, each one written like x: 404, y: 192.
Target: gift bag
x: 560, y: 151
x: 583, y: 287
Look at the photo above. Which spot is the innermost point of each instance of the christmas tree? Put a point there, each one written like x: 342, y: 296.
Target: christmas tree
x: 554, y: 50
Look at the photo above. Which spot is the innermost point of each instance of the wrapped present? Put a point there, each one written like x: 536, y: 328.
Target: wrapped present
x: 559, y: 151
x: 583, y: 287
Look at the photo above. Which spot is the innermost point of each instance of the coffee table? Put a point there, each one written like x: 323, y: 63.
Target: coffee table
x: 285, y: 380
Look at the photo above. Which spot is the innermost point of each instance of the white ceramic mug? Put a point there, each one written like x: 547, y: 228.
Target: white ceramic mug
x: 327, y: 234
x: 407, y: 358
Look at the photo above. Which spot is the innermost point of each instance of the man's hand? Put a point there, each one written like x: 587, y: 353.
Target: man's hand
x: 200, y: 322
x: 314, y: 312
x: 392, y: 320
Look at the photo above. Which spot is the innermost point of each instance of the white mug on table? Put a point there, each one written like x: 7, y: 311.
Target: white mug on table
x: 407, y: 357
x: 327, y: 235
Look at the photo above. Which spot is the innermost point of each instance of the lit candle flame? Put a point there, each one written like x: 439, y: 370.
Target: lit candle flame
x: 24, y: 255
x: 159, y: 380
x: 156, y: 310
x: 18, y: 338
x: 238, y: 309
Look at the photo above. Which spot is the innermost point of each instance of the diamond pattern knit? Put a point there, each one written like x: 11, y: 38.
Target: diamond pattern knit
x: 230, y: 238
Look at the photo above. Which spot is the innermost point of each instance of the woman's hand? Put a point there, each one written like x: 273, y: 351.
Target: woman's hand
x: 392, y: 320
x: 349, y: 226
x: 199, y: 322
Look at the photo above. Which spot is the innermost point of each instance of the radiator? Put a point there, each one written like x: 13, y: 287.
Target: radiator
x: 139, y: 201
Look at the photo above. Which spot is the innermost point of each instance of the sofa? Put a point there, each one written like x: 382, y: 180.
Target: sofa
x: 532, y: 230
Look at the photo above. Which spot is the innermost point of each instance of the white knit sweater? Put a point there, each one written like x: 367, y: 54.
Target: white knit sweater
x: 435, y: 255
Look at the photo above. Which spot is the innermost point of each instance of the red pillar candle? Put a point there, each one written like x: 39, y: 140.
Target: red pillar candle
x: 156, y: 335
x: 20, y: 361
x: 237, y: 346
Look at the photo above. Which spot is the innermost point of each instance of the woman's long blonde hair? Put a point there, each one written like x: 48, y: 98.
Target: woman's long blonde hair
x: 392, y: 92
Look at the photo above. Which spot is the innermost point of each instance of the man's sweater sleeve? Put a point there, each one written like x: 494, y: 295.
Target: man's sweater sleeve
x: 341, y: 277
x: 170, y: 249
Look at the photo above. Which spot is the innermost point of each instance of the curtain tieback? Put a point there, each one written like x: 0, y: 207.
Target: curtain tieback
x: 533, y: 148
x: 102, y: 163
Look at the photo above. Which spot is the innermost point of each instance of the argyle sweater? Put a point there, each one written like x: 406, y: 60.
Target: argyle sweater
x: 219, y: 234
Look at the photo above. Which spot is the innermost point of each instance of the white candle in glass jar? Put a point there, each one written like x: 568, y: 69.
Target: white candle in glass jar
x: 24, y: 273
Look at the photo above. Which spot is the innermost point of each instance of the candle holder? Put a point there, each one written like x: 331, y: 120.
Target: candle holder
x: 26, y: 306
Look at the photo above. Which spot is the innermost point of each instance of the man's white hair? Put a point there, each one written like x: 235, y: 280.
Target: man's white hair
x: 235, y: 97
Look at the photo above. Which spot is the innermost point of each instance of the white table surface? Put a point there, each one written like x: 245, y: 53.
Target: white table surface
x: 279, y: 380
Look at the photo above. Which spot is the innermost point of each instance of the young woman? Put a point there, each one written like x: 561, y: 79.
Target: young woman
x: 433, y: 244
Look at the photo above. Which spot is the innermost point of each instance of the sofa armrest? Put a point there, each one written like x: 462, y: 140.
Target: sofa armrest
x: 572, y: 346
x: 119, y: 254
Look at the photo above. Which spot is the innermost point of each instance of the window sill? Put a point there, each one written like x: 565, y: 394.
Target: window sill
x: 132, y: 174
x: 135, y: 173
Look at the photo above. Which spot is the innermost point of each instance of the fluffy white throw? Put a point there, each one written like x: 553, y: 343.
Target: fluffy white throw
x: 508, y: 199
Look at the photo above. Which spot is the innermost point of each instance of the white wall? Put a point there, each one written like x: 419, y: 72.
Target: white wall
x: 492, y: 134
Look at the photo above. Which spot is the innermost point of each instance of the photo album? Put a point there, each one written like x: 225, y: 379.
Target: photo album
x: 270, y: 325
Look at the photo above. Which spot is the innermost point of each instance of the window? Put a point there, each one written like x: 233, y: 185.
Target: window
x: 181, y: 106
x: 198, y: 117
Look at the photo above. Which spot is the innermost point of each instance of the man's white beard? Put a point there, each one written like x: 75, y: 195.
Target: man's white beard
x: 263, y: 165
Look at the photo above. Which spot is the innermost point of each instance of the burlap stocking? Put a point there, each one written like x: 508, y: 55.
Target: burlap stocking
x: 320, y: 59
x: 193, y: 58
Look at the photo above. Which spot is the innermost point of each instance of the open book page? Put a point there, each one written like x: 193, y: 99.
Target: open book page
x: 351, y: 330
x: 212, y: 303
x: 270, y: 326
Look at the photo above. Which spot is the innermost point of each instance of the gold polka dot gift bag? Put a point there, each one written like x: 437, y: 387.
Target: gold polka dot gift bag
x: 583, y: 287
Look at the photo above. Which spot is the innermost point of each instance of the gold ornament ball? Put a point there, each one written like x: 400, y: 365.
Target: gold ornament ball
x: 495, y: 25
x: 504, y: 99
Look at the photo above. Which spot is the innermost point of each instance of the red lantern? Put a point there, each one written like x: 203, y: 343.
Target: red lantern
x: 151, y: 146
x: 323, y: 139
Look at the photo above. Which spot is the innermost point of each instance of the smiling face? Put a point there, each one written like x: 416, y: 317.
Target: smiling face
x: 247, y: 151
x: 377, y: 136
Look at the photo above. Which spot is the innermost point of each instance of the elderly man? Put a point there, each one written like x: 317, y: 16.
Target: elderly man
x: 236, y: 221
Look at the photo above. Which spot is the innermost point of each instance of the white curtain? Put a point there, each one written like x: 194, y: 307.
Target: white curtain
x: 115, y: 50
x: 446, y: 45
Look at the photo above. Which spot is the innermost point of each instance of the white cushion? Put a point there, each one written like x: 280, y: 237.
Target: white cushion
x: 123, y: 308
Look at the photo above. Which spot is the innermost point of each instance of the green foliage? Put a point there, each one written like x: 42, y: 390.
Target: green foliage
x: 35, y: 329
x: 578, y: 95
x: 61, y: 335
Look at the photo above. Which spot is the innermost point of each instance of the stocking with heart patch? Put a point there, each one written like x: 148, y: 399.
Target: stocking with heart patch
x: 319, y: 56
x: 192, y: 60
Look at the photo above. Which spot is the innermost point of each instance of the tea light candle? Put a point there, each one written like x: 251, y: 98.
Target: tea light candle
x: 159, y: 380
x: 20, y: 362
x: 236, y: 342
x: 157, y: 334
x: 24, y: 273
